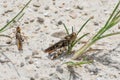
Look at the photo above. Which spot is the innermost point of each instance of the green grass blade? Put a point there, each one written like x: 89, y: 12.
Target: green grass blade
x: 79, y: 39
x: 71, y: 63
x: 102, y: 30
x: 20, y: 17
x: 116, y: 15
x: 111, y: 34
x: 84, y: 25
x: 72, y: 29
x: 14, y: 22
x: 66, y: 29
x: 13, y: 19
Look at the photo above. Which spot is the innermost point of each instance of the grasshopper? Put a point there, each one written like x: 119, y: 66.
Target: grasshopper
x: 61, y: 45
x: 19, y: 39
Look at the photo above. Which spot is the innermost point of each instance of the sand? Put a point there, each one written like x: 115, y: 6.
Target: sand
x: 42, y: 20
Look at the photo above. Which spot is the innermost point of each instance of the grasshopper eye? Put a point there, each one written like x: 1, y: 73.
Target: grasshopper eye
x: 18, y: 29
x: 67, y: 37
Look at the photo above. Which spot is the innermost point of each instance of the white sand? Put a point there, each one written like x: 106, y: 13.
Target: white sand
x: 106, y: 65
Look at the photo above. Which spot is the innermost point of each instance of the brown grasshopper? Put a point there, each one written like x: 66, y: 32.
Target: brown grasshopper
x: 61, y: 44
x: 19, y: 39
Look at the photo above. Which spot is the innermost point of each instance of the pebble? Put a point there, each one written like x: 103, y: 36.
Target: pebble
x: 96, y: 24
x: 36, y: 5
x: 5, y: 5
x: 32, y: 78
x: 61, y: 6
x: 46, y: 14
x: 59, y: 22
x: 67, y: 9
x: 9, y: 11
x: 26, y: 22
x: 27, y: 57
x: 40, y: 20
x: 32, y: 20
x: 35, y: 52
x: 35, y: 10
x: 79, y: 7
x: 73, y: 15
x: 8, y: 42
x: 46, y: 8
x: 21, y: 64
x: 30, y: 62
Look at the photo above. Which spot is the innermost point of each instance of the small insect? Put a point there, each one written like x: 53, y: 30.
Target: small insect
x: 19, y: 39
x: 60, y: 46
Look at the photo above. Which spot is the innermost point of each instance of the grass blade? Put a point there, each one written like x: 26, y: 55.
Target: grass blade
x: 79, y: 39
x: 102, y: 30
x: 5, y: 36
x: 72, y: 29
x: 71, y: 63
x: 84, y: 25
x: 13, y: 19
x: 66, y: 29
x: 107, y: 35
x: 11, y: 63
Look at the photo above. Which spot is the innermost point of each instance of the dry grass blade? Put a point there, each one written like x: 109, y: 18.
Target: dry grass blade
x: 11, y: 63
x: 5, y: 36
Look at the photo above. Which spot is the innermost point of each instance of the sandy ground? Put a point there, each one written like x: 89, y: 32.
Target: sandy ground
x: 42, y: 20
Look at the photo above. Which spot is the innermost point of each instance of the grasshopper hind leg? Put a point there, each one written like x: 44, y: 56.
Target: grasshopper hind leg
x: 58, y: 53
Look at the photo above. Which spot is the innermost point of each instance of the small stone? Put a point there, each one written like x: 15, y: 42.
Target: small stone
x: 96, y: 24
x: 35, y: 10
x: 35, y: 52
x: 78, y: 7
x: 7, y: 49
x: 30, y: 62
x: 27, y: 57
x: 26, y: 22
x: 59, y: 22
x: 32, y: 78
x: 53, y: 3
x: 36, y: 5
x: 8, y: 42
x: 46, y: 14
x: 22, y: 64
x: 9, y: 11
x: 5, y: 5
x: 85, y: 14
x: 40, y: 20
x: 32, y: 20
x: 47, y: 8
x: 73, y: 15
x: 61, y: 6
x: 56, y: 12
x: 68, y: 9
